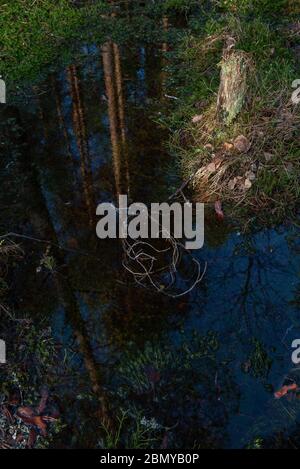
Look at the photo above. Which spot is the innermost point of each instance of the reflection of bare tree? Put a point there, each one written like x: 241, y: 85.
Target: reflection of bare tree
x: 74, y: 318
x: 116, y: 111
x: 82, y: 140
x: 61, y: 120
x: 119, y: 88
x: 165, y: 22
x: 41, y: 113
x: 68, y: 298
x: 248, y: 283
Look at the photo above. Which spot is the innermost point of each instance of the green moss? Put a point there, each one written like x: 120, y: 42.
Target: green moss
x: 38, y: 34
x: 32, y: 31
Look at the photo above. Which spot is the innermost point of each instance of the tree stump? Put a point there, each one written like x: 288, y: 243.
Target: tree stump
x: 233, y: 84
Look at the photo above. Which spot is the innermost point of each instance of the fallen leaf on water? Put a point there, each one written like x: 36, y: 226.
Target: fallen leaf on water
x: 218, y: 210
x: 29, y: 417
x: 40, y: 424
x: 284, y: 390
x: 26, y: 412
x: 242, y: 144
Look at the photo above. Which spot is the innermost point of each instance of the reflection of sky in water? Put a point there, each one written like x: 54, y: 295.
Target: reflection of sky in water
x: 246, y: 293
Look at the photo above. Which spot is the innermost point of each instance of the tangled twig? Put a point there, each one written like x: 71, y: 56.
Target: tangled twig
x: 159, y: 268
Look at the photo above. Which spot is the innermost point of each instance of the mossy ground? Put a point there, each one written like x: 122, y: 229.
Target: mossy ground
x: 268, y: 118
x: 36, y: 35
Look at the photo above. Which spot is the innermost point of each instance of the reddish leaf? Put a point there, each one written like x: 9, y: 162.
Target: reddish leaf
x: 41, y: 425
x: 29, y: 417
x: 218, y: 210
x: 26, y: 413
x: 284, y: 390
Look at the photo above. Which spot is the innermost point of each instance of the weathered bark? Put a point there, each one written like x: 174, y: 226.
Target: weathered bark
x: 233, y: 84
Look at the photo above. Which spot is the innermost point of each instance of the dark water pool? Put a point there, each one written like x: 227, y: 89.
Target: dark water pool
x: 195, y: 371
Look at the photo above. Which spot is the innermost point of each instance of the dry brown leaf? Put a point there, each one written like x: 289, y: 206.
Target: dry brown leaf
x: 228, y: 146
x: 242, y: 144
x: 248, y: 184
x: 211, y: 168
